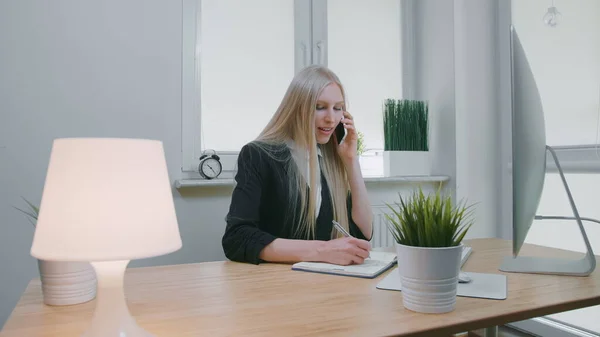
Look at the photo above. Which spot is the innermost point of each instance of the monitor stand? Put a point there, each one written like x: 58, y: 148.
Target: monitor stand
x: 556, y: 266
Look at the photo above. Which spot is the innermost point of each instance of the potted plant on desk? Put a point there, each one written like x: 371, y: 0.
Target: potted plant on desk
x: 428, y: 231
x: 63, y: 282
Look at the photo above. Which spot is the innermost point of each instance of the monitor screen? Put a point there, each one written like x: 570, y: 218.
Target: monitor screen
x: 528, y: 144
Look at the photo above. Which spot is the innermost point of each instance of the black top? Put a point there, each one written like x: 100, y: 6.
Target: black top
x: 259, y: 212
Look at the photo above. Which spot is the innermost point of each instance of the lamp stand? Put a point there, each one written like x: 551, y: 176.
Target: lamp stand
x: 111, y: 316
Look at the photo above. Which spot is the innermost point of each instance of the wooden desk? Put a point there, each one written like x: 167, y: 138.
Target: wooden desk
x: 233, y: 299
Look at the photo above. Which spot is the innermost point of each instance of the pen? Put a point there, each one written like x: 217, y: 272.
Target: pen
x: 341, y: 229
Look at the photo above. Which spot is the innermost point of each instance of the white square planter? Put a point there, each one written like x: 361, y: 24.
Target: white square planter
x: 406, y: 163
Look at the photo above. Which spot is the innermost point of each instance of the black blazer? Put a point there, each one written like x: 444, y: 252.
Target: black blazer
x: 259, y: 211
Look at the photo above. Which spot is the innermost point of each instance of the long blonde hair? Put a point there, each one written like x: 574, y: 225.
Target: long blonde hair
x: 295, y: 120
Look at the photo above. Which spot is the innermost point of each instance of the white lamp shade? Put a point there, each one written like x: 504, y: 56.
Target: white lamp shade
x: 106, y: 199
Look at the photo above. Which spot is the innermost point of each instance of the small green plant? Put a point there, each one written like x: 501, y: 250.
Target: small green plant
x: 360, y: 143
x: 429, y: 221
x: 32, y: 213
x: 405, y: 125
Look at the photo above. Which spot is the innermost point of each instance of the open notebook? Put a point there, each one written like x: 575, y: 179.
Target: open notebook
x: 371, y: 268
x: 378, y: 263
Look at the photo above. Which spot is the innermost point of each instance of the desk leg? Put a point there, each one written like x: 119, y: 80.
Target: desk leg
x: 490, y: 332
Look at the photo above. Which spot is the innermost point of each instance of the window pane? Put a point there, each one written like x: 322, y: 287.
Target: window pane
x: 246, y: 64
x: 565, y: 61
x: 566, y: 234
x: 364, y: 46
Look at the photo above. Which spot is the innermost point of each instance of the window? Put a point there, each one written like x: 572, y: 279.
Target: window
x: 364, y: 51
x: 565, y: 61
x: 240, y: 56
x: 246, y: 63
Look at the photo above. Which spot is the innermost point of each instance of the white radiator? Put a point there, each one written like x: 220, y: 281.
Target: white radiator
x: 381, y: 235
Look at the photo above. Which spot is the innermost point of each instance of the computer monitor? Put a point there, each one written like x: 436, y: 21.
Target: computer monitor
x: 529, y: 151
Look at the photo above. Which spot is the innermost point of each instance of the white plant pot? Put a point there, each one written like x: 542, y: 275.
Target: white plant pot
x: 429, y: 277
x: 67, y: 283
x: 406, y: 163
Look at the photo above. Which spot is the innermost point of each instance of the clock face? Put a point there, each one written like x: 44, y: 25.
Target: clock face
x: 211, y: 168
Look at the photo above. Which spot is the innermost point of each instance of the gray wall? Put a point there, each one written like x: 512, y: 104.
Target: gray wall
x: 90, y: 68
x: 434, y: 78
x: 477, y: 61
x: 456, y: 69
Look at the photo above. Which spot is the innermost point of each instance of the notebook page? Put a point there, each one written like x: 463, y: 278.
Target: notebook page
x: 382, y: 256
x: 369, y: 267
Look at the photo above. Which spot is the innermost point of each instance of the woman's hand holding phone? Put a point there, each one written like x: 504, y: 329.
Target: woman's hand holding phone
x: 349, y: 147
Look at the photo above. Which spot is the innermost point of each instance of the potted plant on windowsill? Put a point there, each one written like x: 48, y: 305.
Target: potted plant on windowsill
x: 63, y: 282
x: 360, y: 143
x: 428, y: 231
x: 406, y: 138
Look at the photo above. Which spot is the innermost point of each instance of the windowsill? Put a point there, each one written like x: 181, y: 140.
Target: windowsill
x: 187, y: 183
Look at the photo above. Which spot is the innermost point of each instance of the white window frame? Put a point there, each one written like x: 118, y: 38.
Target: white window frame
x: 573, y: 159
x: 311, y: 42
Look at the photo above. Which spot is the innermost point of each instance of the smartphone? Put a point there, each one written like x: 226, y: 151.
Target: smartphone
x: 340, y: 132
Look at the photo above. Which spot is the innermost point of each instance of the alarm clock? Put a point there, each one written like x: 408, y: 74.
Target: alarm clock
x: 210, y: 165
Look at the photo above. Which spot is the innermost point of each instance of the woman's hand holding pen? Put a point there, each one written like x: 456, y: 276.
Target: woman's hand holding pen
x: 344, y: 251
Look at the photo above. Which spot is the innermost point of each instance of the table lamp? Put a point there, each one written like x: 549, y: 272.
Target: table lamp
x: 107, y: 201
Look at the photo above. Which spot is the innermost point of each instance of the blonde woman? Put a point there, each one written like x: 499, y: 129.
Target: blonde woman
x: 296, y: 177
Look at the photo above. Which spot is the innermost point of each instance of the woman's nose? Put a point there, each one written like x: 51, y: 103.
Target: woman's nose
x: 330, y: 116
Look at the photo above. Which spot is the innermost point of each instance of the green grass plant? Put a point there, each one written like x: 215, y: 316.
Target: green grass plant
x: 405, y: 124
x: 429, y: 220
x: 32, y: 213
